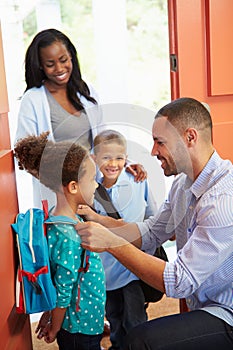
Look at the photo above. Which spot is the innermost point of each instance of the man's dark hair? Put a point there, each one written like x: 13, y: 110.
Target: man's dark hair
x: 186, y: 112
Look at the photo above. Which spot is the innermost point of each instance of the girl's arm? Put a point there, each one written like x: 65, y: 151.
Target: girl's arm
x: 55, y: 325
x: 42, y: 326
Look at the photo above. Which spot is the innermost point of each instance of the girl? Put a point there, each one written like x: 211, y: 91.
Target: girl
x: 67, y: 169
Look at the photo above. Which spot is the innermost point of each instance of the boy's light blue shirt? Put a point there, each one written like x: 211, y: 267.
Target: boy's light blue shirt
x: 134, y: 202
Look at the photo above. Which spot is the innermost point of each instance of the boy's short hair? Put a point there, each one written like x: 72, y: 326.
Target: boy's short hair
x: 109, y: 136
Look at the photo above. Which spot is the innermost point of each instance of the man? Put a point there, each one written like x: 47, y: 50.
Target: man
x: 199, y: 211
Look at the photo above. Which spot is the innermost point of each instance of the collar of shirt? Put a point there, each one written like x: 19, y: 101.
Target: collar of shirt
x: 206, y: 178
x: 52, y: 219
x: 122, y: 180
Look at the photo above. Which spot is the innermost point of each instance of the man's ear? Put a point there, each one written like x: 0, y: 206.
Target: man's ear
x: 190, y: 136
x: 72, y: 187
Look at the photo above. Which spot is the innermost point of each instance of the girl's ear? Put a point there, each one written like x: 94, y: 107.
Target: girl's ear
x: 72, y: 187
x: 93, y: 156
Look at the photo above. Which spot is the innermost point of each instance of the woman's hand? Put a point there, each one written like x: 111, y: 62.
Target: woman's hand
x: 138, y: 171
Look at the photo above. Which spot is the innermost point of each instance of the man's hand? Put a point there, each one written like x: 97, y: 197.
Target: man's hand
x: 97, y: 238
x: 91, y: 215
x: 88, y: 212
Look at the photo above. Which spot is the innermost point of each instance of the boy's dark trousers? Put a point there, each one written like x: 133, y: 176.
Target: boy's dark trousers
x: 124, y: 310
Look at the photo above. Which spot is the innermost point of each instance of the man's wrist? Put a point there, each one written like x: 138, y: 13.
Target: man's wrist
x: 117, y: 244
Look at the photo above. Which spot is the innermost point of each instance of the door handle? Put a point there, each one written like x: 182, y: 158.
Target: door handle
x: 173, y: 63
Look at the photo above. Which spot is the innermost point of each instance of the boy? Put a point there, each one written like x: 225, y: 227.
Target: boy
x: 125, y: 300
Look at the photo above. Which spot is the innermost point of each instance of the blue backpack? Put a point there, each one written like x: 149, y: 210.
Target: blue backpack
x: 35, y: 291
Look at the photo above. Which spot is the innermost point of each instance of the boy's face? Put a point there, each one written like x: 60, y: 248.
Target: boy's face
x: 110, y: 158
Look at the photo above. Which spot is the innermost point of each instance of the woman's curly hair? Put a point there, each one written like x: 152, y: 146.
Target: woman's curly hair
x: 52, y: 163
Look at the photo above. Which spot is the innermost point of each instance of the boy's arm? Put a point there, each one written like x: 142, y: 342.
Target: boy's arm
x: 152, y: 207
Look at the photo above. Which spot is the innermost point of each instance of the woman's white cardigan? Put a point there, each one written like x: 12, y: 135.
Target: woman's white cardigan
x: 33, y: 119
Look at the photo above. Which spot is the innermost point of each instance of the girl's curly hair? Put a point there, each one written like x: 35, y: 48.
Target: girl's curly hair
x: 53, y: 163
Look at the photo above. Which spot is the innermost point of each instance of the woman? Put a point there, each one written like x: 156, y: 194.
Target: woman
x: 58, y: 100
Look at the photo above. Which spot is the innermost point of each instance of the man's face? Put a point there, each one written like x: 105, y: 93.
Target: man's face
x: 169, y: 147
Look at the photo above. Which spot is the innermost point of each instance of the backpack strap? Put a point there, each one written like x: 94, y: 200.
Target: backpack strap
x: 83, y: 269
x: 45, y: 207
x: 85, y: 261
x: 32, y: 277
x: 84, y: 258
x: 102, y: 196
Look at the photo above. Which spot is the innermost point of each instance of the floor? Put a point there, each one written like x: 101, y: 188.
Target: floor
x: 166, y: 306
